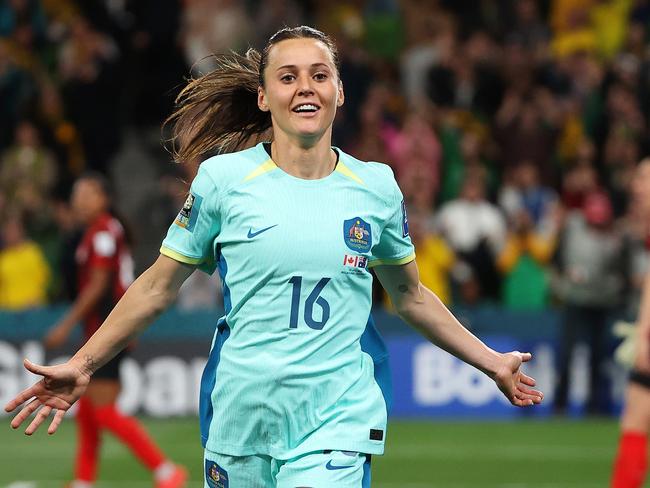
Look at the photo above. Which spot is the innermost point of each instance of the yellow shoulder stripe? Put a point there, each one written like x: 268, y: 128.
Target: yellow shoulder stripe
x: 265, y: 167
x: 344, y: 170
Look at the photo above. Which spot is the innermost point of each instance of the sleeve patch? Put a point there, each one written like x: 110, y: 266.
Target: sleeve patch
x: 189, y: 214
x: 405, y: 220
x: 104, y: 244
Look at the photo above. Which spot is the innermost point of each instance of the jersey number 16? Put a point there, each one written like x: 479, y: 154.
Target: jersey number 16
x: 313, y: 298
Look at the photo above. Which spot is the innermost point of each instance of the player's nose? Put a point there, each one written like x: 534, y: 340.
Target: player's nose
x: 304, y: 85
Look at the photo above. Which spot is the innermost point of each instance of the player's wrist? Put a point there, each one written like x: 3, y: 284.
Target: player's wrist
x: 84, y: 363
x: 492, y: 363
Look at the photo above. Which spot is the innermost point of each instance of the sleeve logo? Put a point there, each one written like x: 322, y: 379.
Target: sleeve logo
x: 357, y: 234
x: 189, y: 213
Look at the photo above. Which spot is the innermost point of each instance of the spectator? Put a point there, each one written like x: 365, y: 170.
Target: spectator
x: 416, y: 155
x: 532, y: 212
x: 88, y: 68
x: 579, y: 181
x: 213, y: 27
x: 18, y: 88
x: 27, y: 169
x: 527, y: 128
x: 589, y: 281
x: 475, y: 230
x: 529, y: 30
x: 24, y: 273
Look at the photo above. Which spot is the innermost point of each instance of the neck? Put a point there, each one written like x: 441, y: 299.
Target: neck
x: 310, y: 160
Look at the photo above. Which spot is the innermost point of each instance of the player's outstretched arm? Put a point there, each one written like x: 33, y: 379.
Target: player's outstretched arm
x: 63, y: 384
x: 419, y: 307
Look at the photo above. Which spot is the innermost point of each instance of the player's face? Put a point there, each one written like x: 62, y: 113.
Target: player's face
x: 87, y: 201
x: 302, y: 89
x: 641, y: 187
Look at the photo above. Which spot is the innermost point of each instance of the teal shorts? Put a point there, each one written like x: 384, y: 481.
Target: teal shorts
x: 321, y: 469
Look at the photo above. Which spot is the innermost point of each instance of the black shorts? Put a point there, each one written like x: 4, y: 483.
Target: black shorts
x: 111, y: 370
x: 640, y: 378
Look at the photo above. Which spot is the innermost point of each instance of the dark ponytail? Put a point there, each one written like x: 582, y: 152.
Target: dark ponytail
x: 218, y: 112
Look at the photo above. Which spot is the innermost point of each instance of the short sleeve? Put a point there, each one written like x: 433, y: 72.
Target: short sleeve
x: 190, y: 238
x: 394, y: 246
x: 104, y: 249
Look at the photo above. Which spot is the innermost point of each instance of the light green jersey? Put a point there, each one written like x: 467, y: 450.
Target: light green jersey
x: 294, y: 361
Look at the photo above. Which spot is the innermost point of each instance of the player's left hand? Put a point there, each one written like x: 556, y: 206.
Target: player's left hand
x: 513, y: 383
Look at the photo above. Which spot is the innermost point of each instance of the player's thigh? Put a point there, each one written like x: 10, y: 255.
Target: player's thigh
x: 325, y: 469
x: 636, y: 415
x: 223, y: 471
x: 103, y: 391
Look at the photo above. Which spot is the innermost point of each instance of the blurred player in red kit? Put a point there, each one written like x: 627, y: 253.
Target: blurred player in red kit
x: 631, y: 464
x: 105, y: 270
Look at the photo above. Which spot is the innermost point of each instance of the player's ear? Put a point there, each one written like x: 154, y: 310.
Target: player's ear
x: 341, y: 95
x: 261, y: 99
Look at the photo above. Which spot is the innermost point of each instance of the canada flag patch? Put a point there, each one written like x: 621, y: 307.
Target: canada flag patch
x: 355, y: 261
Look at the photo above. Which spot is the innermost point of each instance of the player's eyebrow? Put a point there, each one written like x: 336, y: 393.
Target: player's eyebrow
x: 293, y: 66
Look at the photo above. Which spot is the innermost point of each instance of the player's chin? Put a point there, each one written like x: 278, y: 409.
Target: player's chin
x: 310, y: 131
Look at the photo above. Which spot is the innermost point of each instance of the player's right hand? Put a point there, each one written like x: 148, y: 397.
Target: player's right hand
x: 61, y: 386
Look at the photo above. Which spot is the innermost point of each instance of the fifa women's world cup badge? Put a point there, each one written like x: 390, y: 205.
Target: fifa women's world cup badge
x: 357, y: 234
x: 189, y: 213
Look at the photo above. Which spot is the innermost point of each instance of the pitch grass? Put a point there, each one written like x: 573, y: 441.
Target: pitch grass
x: 542, y: 454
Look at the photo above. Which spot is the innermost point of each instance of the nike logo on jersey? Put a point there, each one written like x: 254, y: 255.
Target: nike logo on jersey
x: 331, y: 467
x: 252, y: 234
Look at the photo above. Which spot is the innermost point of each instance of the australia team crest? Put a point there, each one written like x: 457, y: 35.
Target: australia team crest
x: 357, y: 234
x: 215, y: 475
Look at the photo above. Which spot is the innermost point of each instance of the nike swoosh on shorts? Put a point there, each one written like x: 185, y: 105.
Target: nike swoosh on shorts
x: 331, y: 467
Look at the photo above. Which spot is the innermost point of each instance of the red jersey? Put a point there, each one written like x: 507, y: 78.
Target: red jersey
x: 103, y: 245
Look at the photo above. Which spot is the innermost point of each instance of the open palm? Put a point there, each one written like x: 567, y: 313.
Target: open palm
x: 513, y: 383
x: 61, y: 386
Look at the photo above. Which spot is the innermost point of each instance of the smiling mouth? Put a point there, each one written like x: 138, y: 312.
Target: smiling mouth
x: 306, y: 108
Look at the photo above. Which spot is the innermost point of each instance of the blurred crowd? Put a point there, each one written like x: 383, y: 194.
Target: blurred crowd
x: 513, y: 128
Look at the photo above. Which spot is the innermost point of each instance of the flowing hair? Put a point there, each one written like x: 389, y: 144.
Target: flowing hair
x: 217, y: 112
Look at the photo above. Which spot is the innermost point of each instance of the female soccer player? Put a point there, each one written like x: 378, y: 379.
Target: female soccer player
x: 105, y: 270
x: 294, y: 391
x: 631, y: 464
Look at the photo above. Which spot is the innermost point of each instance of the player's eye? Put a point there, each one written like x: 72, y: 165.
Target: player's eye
x: 287, y: 78
x: 320, y: 76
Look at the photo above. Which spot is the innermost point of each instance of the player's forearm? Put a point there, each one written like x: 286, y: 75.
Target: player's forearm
x: 432, y: 318
x: 142, y: 303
